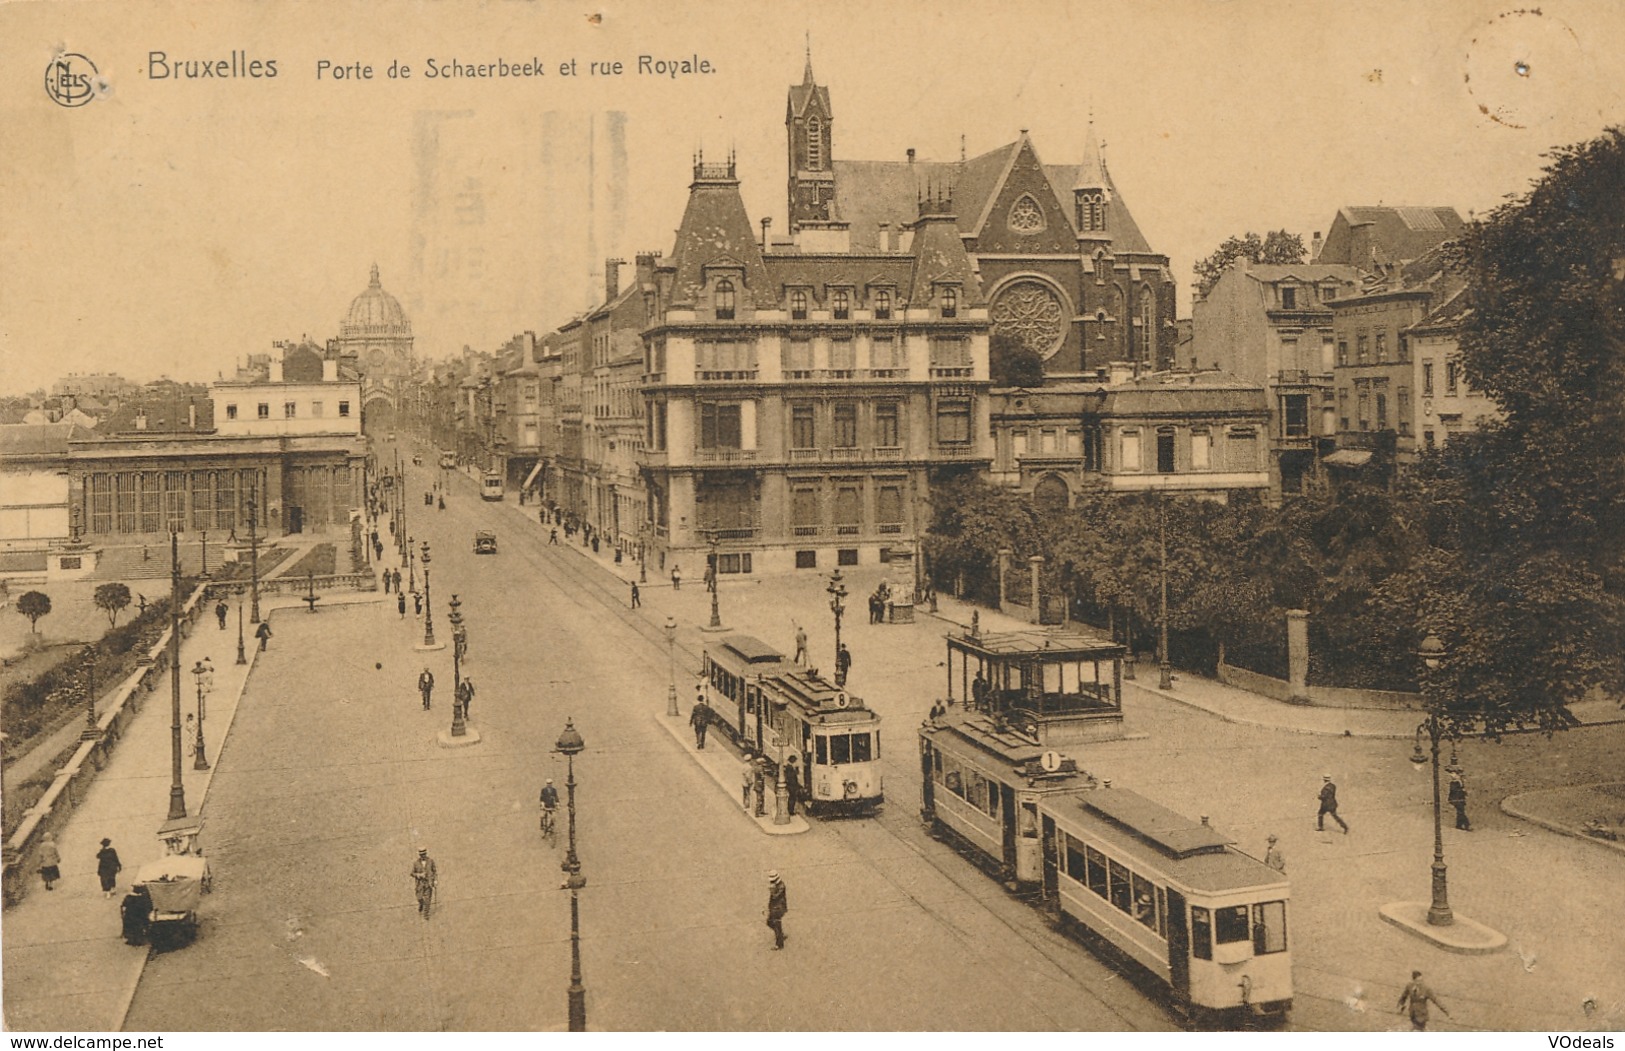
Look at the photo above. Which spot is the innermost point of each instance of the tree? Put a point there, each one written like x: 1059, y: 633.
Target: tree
x: 111, y: 599
x: 1011, y: 363
x: 34, y: 605
x: 1278, y: 247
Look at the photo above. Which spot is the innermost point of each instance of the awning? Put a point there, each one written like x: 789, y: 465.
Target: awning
x: 1348, y: 458
x: 531, y: 477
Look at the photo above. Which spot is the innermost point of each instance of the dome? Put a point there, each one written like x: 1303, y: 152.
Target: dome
x: 375, y: 313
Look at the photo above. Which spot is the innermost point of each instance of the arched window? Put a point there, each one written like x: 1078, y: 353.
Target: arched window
x: 725, y: 300
x: 798, y: 306
x: 1091, y: 212
x: 843, y: 306
x: 950, y: 302
x: 815, y: 144
x: 1147, y: 325
x: 883, y: 305
x: 1103, y: 268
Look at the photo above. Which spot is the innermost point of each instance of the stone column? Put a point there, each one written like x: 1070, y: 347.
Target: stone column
x: 1035, y: 566
x: 1297, y: 655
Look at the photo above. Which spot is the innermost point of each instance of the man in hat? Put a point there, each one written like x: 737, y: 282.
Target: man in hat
x: 699, y: 717
x: 778, y: 903
x: 424, y: 877
x: 220, y: 610
x: 1328, y: 805
x: 1458, y: 799
x: 1415, y: 999
x: 1273, y: 857
x: 747, y: 779
x: 426, y: 687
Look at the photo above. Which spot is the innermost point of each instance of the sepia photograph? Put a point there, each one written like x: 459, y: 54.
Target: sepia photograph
x: 1051, y: 516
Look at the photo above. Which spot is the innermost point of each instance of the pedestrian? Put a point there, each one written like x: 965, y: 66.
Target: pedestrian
x: 208, y: 675
x: 747, y: 780
x: 50, y: 861
x: 1415, y: 999
x: 397, y: 574
x: 134, y: 912
x: 400, y: 602
x: 263, y: 633
x: 759, y: 786
x: 387, y: 581
x: 676, y: 577
x: 417, y: 603
x: 700, y: 717
x: 553, y: 536
x: 792, y: 781
x: 465, y: 694
x: 874, y: 608
x: 442, y: 501
x: 778, y: 903
x: 220, y: 613
x: 1328, y: 805
x: 424, y: 878
x: 801, y: 643
x: 1458, y: 799
x: 108, y: 867
x: 843, y: 664
x: 426, y: 686
x: 1273, y: 857
x: 636, y: 600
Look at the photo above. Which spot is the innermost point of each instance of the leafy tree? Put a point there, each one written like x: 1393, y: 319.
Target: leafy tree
x: 34, y: 605
x: 1278, y: 247
x: 1011, y: 363
x: 111, y: 599
x: 973, y: 520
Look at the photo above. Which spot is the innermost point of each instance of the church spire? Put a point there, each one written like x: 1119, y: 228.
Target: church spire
x: 807, y: 74
x: 1092, y: 173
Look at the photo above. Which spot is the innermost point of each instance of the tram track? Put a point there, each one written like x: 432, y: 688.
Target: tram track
x: 1074, y: 965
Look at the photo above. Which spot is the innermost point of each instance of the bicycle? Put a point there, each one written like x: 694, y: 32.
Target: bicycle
x: 548, y: 828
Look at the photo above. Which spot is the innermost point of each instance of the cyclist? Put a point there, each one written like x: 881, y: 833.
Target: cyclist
x: 550, y: 803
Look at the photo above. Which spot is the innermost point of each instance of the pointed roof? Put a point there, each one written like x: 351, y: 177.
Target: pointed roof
x: 939, y: 255
x: 1092, y: 172
x: 716, y: 231
x: 804, y: 92
x: 1363, y: 235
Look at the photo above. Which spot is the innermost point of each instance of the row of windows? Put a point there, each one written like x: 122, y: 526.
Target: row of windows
x: 1241, y: 450
x: 844, y: 499
x: 1452, y: 378
x: 846, y: 748
x: 966, y: 782
x: 843, y: 416
x: 290, y: 410
x: 1372, y: 349
x: 1373, y: 394
x: 725, y: 302
x: 1289, y: 295
x: 721, y: 424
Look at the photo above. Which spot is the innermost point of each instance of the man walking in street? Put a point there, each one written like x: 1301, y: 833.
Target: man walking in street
x: 263, y: 633
x: 424, y: 878
x: 426, y: 687
x: 1273, y: 857
x: 417, y: 603
x: 400, y: 602
x: 220, y: 613
x: 465, y: 694
x: 792, y: 782
x: 676, y: 577
x: 747, y: 780
x: 700, y: 718
x: 397, y: 575
x: 843, y: 664
x: 778, y: 903
x: 636, y: 600
x: 801, y: 644
x: 1458, y: 799
x: 1328, y: 806
x: 1415, y: 999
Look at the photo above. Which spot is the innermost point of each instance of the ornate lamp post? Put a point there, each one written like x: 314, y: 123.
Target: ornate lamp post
x: 201, y: 761
x: 837, y: 606
x: 177, y: 790
x: 242, y: 657
x: 1432, y: 654
x: 253, y: 561
x: 570, y: 745
x: 714, y: 539
x: 203, y: 559
x: 411, y: 564
x: 1165, y: 668
x: 428, y: 609
x: 459, y: 721
x: 90, y: 733
x: 671, y: 662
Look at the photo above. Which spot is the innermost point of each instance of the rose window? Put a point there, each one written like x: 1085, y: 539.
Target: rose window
x: 1026, y: 217
x: 1031, y: 312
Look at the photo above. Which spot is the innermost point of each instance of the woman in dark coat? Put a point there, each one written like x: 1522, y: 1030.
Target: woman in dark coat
x: 108, y: 867
x: 136, y: 911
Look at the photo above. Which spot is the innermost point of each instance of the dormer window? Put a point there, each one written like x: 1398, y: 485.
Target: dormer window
x: 724, y: 300
x: 950, y: 302
x: 883, y: 305
x: 798, y: 306
x: 841, y: 302
x: 1289, y: 298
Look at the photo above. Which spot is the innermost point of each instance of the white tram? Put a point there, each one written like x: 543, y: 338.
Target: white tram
x: 778, y: 709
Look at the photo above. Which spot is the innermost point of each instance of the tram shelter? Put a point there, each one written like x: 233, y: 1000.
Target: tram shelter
x: 1057, y: 686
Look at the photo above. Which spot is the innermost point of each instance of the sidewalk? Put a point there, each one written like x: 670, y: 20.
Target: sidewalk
x: 66, y: 966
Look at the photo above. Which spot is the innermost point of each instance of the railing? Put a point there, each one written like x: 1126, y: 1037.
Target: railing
x: 805, y: 455
x: 847, y: 530
x: 804, y: 530
x: 889, y: 529
x: 726, y: 455
x: 846, y: 453
x: 947, y: 372
x: 888, y: 452
x: 885, y: 374
x: 724, y: 375
x: 738, y: 533
x: 814, y: 375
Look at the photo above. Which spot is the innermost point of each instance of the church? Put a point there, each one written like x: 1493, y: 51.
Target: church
x: 1064, y: 266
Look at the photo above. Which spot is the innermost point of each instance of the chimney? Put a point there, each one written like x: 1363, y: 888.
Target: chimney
x: 612, y: 278
x: 330, y: 370
x: 883, y: 238
x: 276, y: 369
x: 767, y: 221
x: 141, y: 420
x: 191, y: 415
x: 1314, y: 247
x: 911, y: 154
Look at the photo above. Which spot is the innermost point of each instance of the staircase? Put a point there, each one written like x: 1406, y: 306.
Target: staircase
x: 126, y: 562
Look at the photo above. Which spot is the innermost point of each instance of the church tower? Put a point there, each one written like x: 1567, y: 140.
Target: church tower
x: 808, y: 130
x: 1091, y: 200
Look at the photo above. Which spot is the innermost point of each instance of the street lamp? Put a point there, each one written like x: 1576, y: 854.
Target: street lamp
x: 570, y: 745
x: 428, y: 610
x: 411, y: 564
x: 201, y: 762
x: 1165, y: 669
x: 459, y: 723
x: 1432, y: 654
x: 90, y: 733
x: 242, y: 657
x: 837, y: 606
x: 203, y: 559
x: 253, y: 561
x: 177, y: 790
x: 713, y: 538
x: 671, y: 661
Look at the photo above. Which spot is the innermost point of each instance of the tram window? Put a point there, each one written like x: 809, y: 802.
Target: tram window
x: 1162, y: 914
x: 1097, y: 872
x: 1269, y: 927
x: 955, y: 783
x: 1029, y: 821
x: 822, y: 757
x: 993, y: 794
x: 1052, y: 678
x: 1121, y: 892
x: 860, y: 748
x: 936, y: 765
x: 1075, y: 864
x: 978, y: 791
x: 750, y: 701
x: 840, y: 749
x: 1231, y: 924
x: 1145, y: 903
x: 1201, y: 933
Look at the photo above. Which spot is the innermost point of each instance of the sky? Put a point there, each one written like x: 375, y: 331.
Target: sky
x: 174, y: 225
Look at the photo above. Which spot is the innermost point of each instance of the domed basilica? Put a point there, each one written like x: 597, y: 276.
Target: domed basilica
x: 376, y: 336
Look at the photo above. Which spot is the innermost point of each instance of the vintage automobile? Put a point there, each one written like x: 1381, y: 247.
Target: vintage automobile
x: 485, y: 542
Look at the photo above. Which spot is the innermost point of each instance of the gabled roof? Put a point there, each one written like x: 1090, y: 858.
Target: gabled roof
x: 1361, y: 235
x: 939, y: 255
x: 808, y: 89
x: 39, y: 439
x: 1308, y: 273
x: 1447, y: 315
x: 716, y: 231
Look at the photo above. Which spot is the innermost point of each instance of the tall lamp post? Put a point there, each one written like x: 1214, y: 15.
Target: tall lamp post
x: 428, y: 609
x: 201, y: 761
x: 177, y: 790
x: 90, y: 733
x: 570, y: 745
x: 242, y: 657
x: 837, y: 606
x: 1165, y: 668
x: 459, y: 720
x: 411, y: 565
x: 671, y: 662
x: 253, y: 560
x: 714, y: 539
x: 1432, y: 654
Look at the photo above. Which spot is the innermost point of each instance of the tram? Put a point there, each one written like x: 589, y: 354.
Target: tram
x: 491, y: 486
x: 778, y: 709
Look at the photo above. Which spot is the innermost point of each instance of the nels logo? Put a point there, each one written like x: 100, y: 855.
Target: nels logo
x: 72, y: 80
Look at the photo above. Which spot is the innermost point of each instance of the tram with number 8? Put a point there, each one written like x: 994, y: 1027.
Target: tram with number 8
x: 769, y: 705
